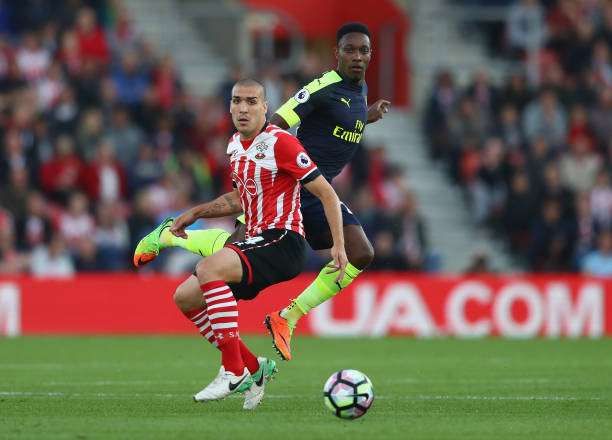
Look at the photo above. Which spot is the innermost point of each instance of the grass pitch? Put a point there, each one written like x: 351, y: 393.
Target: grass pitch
x: 141, y: 388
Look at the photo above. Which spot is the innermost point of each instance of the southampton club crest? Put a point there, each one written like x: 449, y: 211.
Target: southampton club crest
x: 261, y: 150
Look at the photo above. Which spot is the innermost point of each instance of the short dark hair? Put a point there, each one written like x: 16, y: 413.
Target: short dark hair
x: 347, y: 28
x: 248, y: 82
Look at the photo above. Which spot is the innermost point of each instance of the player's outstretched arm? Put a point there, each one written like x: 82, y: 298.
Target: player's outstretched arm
x: 377, y: 110
x: 331, y: 204
x: 227, y: 204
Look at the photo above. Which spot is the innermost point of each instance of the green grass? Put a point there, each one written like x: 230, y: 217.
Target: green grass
x: 130, y: 387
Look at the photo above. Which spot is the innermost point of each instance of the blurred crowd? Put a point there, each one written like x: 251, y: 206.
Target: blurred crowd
x: 534, y: 152
x: 100, y: 140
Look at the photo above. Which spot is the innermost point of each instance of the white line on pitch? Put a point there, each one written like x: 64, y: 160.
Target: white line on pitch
x: 295, y: 396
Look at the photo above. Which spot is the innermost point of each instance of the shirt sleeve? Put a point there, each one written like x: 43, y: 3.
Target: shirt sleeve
x: 293, y: 159
x: 299, y: 106
x: 307, y: 99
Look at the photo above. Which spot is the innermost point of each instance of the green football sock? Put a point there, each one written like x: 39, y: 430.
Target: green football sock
x: 320, y: 290
x: 202, y: 242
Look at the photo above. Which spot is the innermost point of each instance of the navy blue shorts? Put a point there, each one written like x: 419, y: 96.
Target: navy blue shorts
x: 318, y: 234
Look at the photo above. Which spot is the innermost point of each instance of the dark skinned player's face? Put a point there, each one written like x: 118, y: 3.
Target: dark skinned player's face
x: 353, y: 54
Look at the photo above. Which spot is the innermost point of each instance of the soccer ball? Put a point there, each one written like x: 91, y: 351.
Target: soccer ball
x: 348, y: 393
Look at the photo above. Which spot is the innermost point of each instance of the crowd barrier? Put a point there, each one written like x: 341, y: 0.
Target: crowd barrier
x: 375, y: 305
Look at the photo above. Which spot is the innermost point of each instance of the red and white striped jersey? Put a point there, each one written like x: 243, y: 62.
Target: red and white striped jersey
x: 267, y: 172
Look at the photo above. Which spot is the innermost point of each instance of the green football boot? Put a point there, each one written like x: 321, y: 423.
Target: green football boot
x: 149, y: 246
x: 255, y: 394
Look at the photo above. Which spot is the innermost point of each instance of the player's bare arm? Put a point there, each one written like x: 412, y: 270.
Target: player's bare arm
x: 331, y: 204
x: 377, y: 110
x: 278, y: 120
x: 222, y: 206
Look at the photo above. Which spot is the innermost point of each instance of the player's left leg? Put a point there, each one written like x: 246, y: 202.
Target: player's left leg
x: 213, y: 274
x: 204, y: 242
x: 188, y: 298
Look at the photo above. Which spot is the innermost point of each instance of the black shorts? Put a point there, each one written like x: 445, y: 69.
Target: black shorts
x: 316, y: 227
x: 274, y: 256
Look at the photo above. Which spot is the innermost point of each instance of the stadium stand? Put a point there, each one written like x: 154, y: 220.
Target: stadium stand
x: 533, y: 153
x: 101, y: 140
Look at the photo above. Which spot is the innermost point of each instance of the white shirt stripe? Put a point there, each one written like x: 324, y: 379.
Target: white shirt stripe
x: 294, y: 199
x: 260, y: 194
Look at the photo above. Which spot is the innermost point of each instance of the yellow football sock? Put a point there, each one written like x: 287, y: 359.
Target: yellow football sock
x: 320, y: 290
x: 202, y: 242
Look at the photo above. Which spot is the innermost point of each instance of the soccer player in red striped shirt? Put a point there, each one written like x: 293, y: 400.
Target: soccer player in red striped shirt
x: 268, y: 167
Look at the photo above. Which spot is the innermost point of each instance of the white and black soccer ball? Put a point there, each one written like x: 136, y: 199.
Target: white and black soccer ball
x: 348, y: 393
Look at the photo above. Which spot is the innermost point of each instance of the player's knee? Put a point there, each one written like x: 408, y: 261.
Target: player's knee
x: 187, y: 298
x: 362, y: 256
x: 208, y: 269
x: 202, y: 270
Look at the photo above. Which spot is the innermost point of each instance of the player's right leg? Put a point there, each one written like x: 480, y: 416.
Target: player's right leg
x: 204, y: 242
x: 360, y: 253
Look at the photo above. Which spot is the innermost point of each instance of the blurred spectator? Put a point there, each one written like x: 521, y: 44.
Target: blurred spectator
x: 525, y: 26
x: 479, y: 264
x: 551, y: 246
x: 166, y: 83
x: 145, y: 170
x: 579, y: 166
x: 601, y: 200
x: 76, y: 223
x: 124, y: 135
x: 34, y: 228
x: 91, y: 133
x: 519, y: 211
x: 585, y: 227
x: 52, y: 260
x: 13, y: 197
x: 130, y: 79
x: 601, y: 116
x: 440, y: 107
x: 92, y: 41
x: 15, y: 157
x: 545, y: 118
x: 510, y: 130
x: 599, y: 261
x: 488, y: 192
x: 111, y: 237
x: 12, y: 261
x: 105, y: 178
x: 62, y: 175
x: 552, y: 188
x: 33, y: 60
x: 413, y: 234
